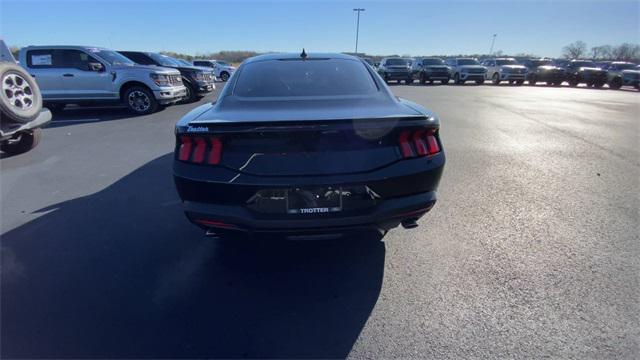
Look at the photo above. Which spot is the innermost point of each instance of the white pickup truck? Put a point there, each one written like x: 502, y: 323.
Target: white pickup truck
x: 222, y: 70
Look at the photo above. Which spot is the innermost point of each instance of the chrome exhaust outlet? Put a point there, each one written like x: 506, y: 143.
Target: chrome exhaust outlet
x: 409, y: 224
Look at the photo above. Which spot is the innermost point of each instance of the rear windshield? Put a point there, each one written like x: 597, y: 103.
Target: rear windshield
x: 321, y: 77
x: 396, y: 62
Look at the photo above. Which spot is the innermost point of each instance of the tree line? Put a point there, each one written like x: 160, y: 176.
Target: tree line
x: 622, y: 52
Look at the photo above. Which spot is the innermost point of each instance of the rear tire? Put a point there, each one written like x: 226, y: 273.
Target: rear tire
x: 598, y: 84
x: 20, y: 98
x: 224, y: 76
x: 519, y: 82
x: 445, y: 82
x: 532, y: 80
x: 27, y: 141
x: 456, y: 79
x: 422, y: 79
x: 140, y: 100
x: 573, y: 83
x: 480, y: 82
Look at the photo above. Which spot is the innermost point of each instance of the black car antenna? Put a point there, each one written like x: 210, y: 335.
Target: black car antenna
x: 303, y: 54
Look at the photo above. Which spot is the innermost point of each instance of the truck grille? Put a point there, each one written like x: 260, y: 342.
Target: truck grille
x: 475, y: 71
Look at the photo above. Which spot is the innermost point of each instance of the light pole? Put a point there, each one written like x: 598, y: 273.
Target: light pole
x: 493, y: 41
x: 358, y: 10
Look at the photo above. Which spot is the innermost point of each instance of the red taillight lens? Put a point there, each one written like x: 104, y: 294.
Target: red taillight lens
x: 424, y: 141
x: 198, y: 153
x: 432, y: 142
x: 405, y: 147
x: 216, y: 151
x: 195, y: 149
x: 185, y: 148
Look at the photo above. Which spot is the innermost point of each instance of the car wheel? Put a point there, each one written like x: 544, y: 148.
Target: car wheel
x: 224, y: 76
x: 20, y: 98
x: 409, y: 81
x: 495, y: 79
x: 191, y: 96
x: 140, y: 100
x: 616, y: 83
x: 637, y: 86
x: 445, y: 81
x: 398, y: 82
x: 480, y: 82
x: 519, y: 82
x: 532, y: 80
x: 456, y: 79
x: 549, y: 83
x: 573, y: 83
x: 598, y: 84
x: 25, y: 142
x: 557, y: 83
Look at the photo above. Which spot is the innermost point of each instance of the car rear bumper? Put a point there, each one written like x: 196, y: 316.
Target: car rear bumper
x: 9, y: 129
x: 217, y: 197
x: 386, y: 215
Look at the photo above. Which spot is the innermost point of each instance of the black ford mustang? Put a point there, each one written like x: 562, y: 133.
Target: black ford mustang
x: 307, y: 146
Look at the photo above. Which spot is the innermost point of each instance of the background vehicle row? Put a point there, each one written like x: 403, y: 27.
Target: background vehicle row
x: 88, y: 75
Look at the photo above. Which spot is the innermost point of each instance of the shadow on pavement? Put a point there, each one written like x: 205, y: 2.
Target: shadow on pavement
x: 74, y: 115
x: 121, y: 273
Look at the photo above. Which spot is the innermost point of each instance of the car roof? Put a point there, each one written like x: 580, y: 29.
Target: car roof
x: 35, y: 47
x: 285, y: 56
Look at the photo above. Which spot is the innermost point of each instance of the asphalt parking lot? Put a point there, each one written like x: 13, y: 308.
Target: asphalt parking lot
x: 532, y: 250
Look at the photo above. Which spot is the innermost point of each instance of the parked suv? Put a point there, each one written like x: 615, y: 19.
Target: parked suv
x: 466, y: 69
x: 221, y: 69
x: 430, y: 69
x: 505, y: 69
x: 544, y: 70
x: 81, y: 75
x: 21, y: 112
x: 197, y: 81
x: 394, y: 68
x: 585, y: 71
x: 615, y: 77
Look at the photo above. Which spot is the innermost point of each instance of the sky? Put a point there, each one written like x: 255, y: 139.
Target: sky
x: 386, y: 27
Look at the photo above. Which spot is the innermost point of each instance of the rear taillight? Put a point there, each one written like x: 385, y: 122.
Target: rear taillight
x: 200, y: 149
x: 418, y: 142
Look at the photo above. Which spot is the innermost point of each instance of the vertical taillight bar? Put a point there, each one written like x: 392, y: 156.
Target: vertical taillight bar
x: 198, y: 153
x: 216, y: 151
x: 185, y: 148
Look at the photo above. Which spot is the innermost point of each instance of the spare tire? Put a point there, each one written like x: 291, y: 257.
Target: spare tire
x: 20, y: 98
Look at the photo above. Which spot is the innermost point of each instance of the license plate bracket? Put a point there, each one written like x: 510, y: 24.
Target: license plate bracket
x: 315, y: 200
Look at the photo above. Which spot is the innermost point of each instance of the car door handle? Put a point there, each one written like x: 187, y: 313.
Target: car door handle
x: 67, y: 75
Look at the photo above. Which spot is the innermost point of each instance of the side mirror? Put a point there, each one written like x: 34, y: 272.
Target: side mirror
x: 96, y: 66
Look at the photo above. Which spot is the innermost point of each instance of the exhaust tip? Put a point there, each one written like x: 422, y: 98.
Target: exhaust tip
x: 409, y: 224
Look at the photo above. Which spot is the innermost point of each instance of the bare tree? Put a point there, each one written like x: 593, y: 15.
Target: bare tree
x: 575, y: 50
x: 625, y: 52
